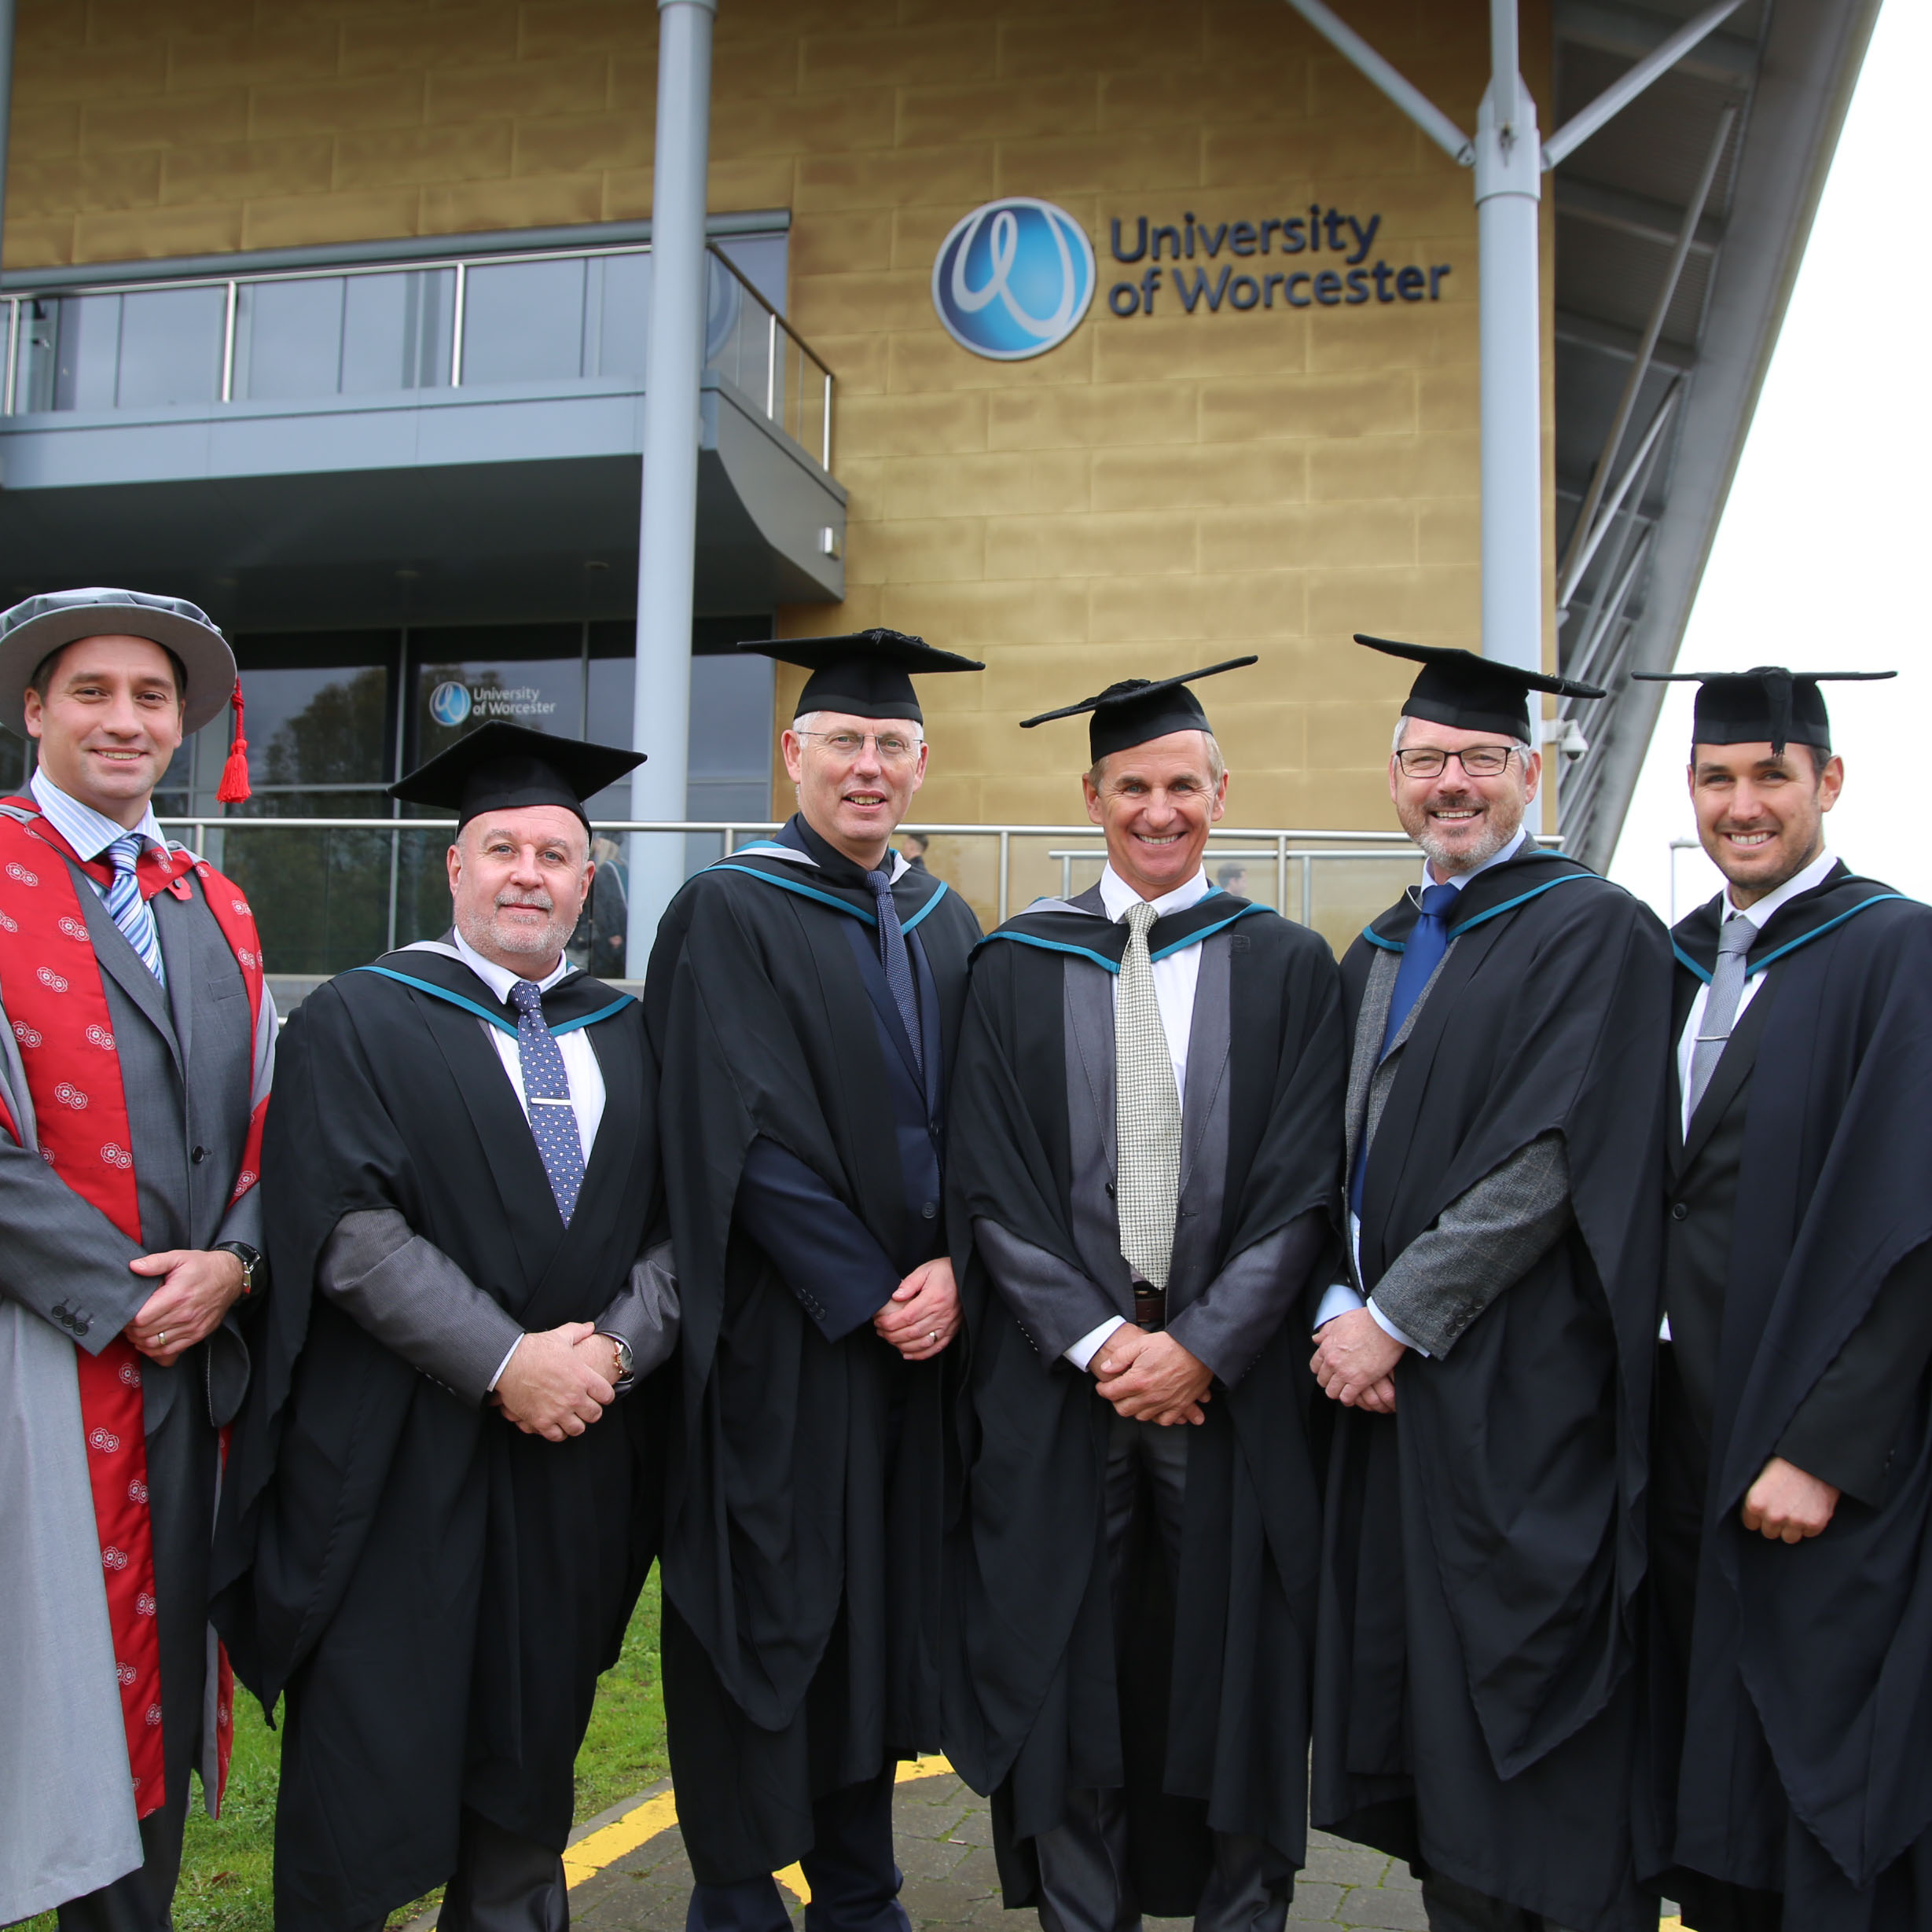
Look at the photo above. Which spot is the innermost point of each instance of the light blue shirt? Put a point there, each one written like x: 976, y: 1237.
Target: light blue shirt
x: 88, y: 831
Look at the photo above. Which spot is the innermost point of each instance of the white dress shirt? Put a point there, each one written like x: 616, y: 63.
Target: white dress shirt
x: 1759, y: 916
x: 1343, y: 1297
x: 580, y: 1059
x: 1175, y: 979
x: 88, y: 831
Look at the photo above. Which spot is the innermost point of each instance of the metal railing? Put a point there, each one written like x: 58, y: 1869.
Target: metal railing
x: 439, y: 322
x: 1335, y: 881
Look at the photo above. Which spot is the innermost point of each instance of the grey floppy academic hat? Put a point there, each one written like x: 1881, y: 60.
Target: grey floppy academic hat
x: 33, y: 628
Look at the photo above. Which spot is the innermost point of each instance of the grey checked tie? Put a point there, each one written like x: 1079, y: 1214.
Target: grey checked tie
x: 1726, y: 988
x: 547, y: 1094
x: 129, y: 910
x: 1146, y: 1112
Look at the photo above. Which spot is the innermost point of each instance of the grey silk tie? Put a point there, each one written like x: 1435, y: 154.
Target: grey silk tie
x: 1726, y: 988
x: 1146, y: 1112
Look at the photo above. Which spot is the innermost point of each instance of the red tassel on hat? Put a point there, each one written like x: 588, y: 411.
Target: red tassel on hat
x: 234, y: 786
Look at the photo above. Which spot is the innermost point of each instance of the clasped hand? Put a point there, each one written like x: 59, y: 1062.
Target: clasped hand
x: 923, y: 1315
x: 1354, y: 1361
x: 199, y: 1286
x: 555, y: 1383
x: 1151, y: 1378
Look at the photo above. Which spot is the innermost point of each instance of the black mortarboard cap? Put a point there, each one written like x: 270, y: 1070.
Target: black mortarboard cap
x: 1765, y: 705
x: 867, y: 673
x: 1455, y: 687
x: 501, y: 767
x: 1138, y: 709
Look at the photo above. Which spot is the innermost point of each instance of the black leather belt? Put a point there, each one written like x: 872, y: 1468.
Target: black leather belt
x: 1150, y: 1306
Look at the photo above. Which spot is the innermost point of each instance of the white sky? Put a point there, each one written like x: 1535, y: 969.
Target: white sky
x: 1812, y: 563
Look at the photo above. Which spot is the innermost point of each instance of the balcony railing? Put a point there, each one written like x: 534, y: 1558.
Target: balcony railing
x: 556, y: 314
x: 1333, y: 881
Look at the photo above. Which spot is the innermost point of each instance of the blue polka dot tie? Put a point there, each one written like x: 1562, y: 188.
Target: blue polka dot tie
x: 546, y: 1097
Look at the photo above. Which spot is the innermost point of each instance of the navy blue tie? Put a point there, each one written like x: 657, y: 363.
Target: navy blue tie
x: 1424, y: 953
x: 546, y: 1098
x: 899, y: 965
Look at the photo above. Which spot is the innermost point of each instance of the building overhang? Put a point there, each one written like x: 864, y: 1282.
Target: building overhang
x: 449, y: 505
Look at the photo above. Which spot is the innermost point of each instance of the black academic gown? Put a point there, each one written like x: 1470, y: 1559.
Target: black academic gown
x: 1205, y: 1721
x: 1474, y: 1698
x: 445, y: 1589
x: 805, y: 1477
x: 1794, y: 1741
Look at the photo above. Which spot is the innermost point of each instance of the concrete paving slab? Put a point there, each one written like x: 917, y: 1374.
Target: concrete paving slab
x: 945, y: 1839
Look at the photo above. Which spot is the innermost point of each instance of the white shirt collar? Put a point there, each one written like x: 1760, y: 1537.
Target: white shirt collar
x: 1495, y: 859
x: 499, y: 979
x: 88, y: 831
x: 1117, y: 895
x: 1760, y: 914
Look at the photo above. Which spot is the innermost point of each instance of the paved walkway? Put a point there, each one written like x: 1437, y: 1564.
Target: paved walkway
x: 945, y: 1849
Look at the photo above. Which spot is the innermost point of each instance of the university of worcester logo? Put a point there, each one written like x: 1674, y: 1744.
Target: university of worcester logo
x: 449, y: 704
x: 1013, y: 279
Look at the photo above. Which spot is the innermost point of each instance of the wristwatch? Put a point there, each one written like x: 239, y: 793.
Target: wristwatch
x: 253, y: 1265
x: 625, y: 1367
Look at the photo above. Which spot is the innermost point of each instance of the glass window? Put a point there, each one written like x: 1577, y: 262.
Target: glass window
x: 321, y: 898
x: 396, y: 331
x: 523, y: 322
x: 530, y: 674
x: 171, y: 346
x: 289, y: 338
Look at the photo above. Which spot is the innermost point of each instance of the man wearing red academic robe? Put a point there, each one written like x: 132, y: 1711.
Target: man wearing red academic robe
x: 137, y: 1040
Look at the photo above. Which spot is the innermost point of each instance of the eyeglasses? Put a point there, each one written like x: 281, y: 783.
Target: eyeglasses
x: 1479, y: 760
x: 892, y: 748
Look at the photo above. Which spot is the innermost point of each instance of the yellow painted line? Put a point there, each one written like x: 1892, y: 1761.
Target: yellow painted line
x: 589, y: 1856
x: 1673, y: 1923
x: 793, y: 1877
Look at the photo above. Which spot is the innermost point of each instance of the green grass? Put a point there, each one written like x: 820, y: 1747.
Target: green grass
x: 227, y: 1868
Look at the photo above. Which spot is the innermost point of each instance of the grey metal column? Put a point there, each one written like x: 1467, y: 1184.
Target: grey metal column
x: 667, y: 537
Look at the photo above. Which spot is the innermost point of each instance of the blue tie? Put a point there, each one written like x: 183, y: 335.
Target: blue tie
x: 1424, y: 953
x: 546, y: 1095
x: 129, y: 910
x: 893, y: 957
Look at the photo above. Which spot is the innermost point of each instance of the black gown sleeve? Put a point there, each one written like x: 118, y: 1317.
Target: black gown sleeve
x: 1844, y: 1430
x: 827, y: 1257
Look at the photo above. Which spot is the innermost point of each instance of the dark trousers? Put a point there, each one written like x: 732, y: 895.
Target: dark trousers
x: 853, y: 1879
x: 1453, y: 1908
x: 502, y: 1883
x: 1084, y: 1882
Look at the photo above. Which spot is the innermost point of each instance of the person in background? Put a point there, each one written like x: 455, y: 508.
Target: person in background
x: 916, y: 845
x: 1146, y: 1143
x: 434, y: 1530
x: 1231, y: 878
x: 139, y: 1045
x: 1791, y: 1497
x: 803, y: 1002
x: 1490, y: 1349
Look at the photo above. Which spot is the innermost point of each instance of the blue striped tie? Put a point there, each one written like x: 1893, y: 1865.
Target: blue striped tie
x: 546, y: 1095
x: 129, y: 910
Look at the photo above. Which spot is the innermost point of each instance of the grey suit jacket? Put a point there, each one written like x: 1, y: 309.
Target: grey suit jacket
x: 1488, y: 1238
x: 1224, y: 1318
x: 193, y: 1069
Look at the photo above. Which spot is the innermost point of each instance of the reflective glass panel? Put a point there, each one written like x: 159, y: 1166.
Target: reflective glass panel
x: 617, y: 315
x: 396, y: 331
x: 289, y: 338
x: 171, y: 347
x: 523, y: 322
x: 88, y: 352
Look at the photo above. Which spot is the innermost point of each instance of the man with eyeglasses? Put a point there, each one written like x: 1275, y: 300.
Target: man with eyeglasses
x: 803, y: 1000
x: 1791, y: 1495
x: 1475, y: 1705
